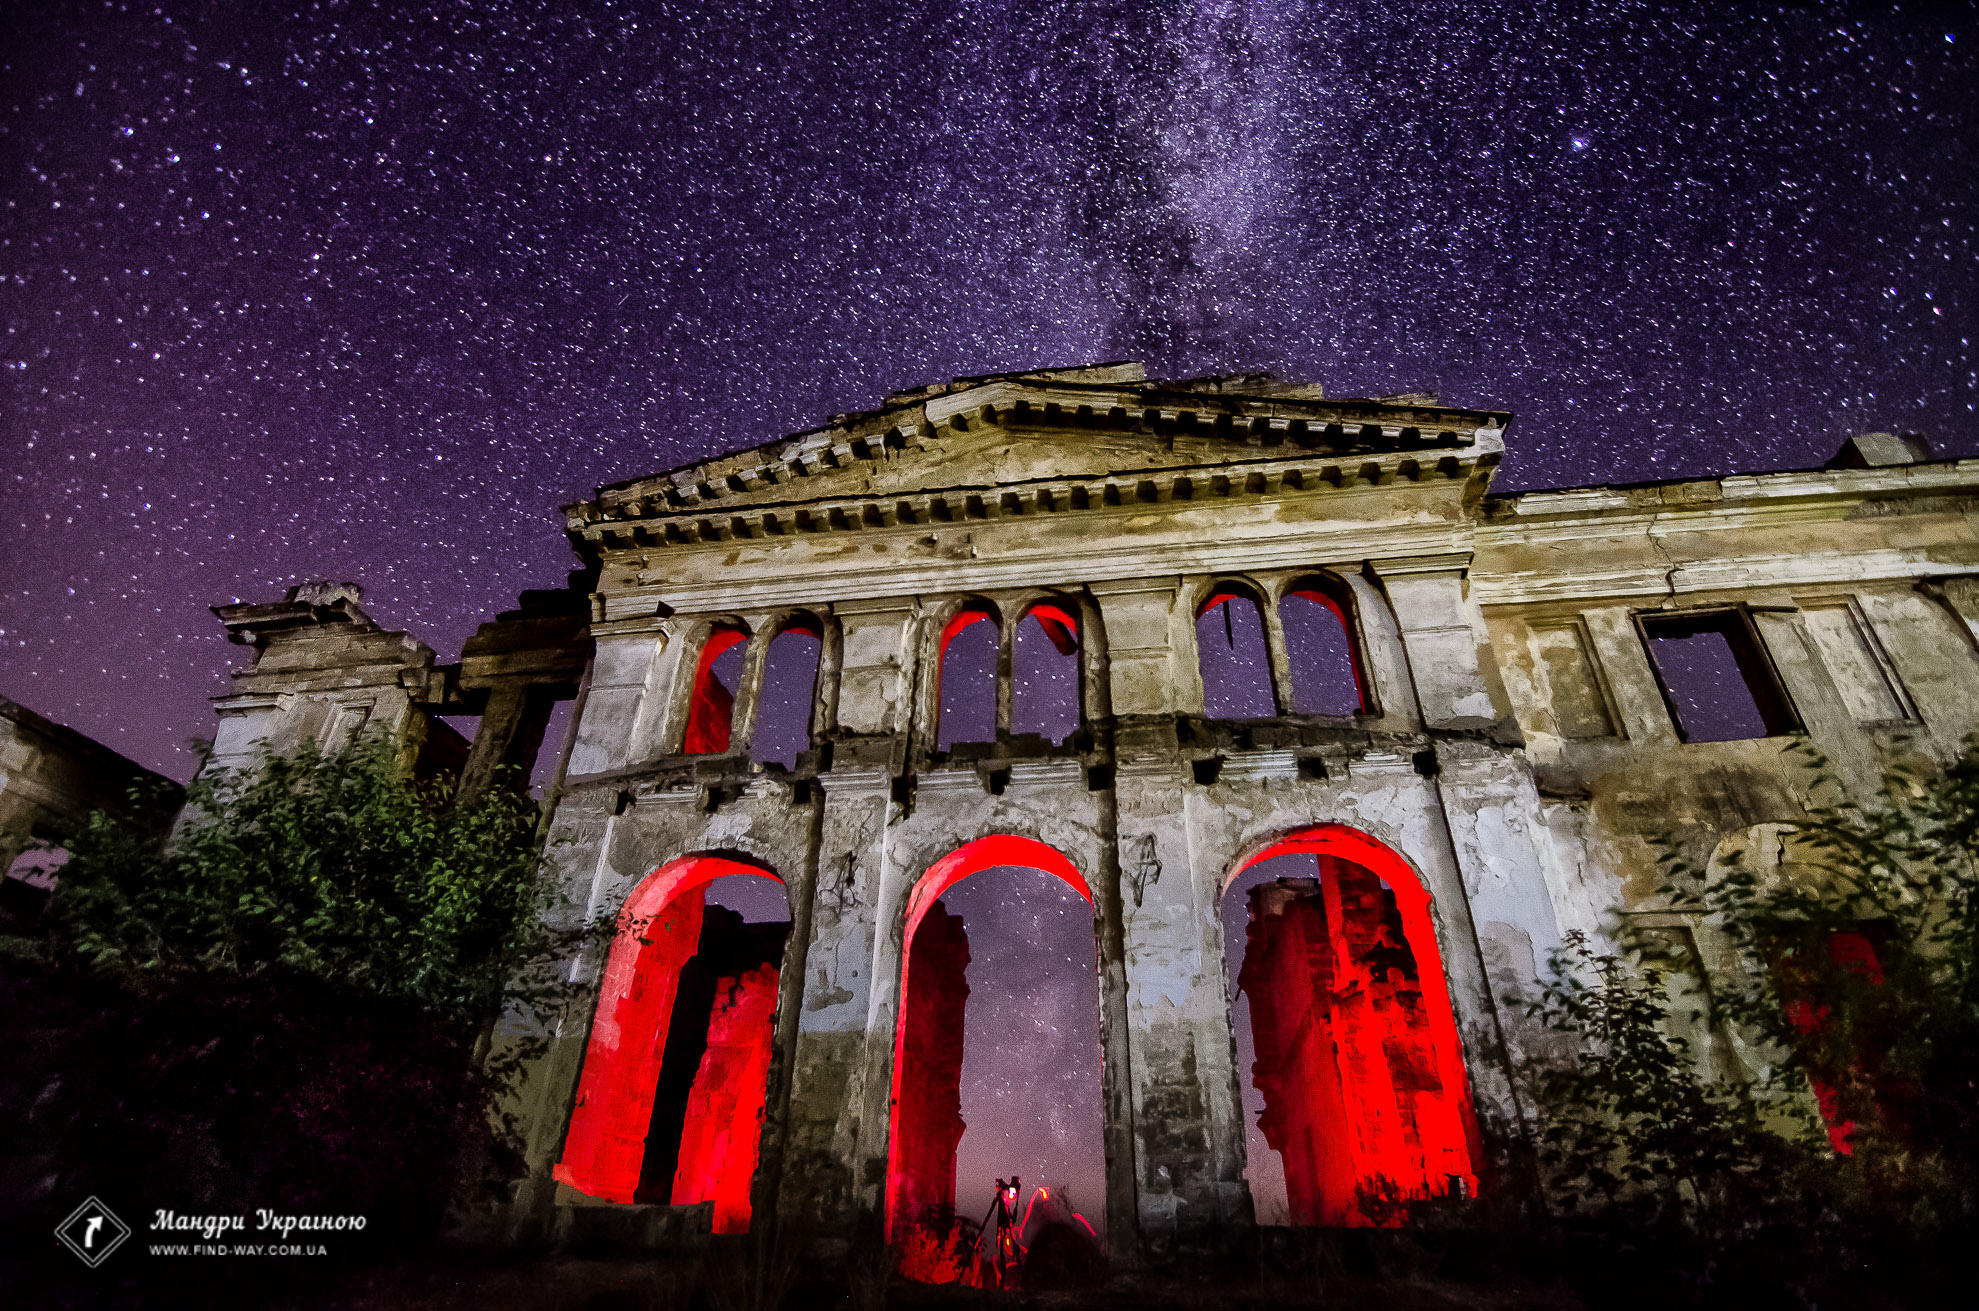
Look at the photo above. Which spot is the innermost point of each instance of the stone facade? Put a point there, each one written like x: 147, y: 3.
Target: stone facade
x: 52, y: 778
x: 1515, y: 747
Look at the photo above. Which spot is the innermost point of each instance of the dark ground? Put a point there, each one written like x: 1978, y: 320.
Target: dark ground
x: 471, y: 1282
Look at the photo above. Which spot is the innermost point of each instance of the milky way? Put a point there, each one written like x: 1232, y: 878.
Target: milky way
x: 365, y: 293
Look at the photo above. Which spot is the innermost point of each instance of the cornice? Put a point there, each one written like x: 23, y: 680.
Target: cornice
x: 1740, y: 573
x: 1752, y: 493
x: 647, y: 527
x: 1264, y: 440
x: 1306, y: 545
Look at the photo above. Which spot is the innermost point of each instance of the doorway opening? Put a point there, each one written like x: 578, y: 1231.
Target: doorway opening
x: 1357, y: 1102
x: 670, y: 1106
x: 997, y: 1067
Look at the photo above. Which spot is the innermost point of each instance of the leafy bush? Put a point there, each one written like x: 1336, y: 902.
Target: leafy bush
x: 1849, y: 1157
x: 286, y: 1007
x: 336, y: 867
x: 1629, y: 1123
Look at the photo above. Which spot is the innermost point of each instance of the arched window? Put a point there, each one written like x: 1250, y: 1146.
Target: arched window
x: 670, y: 1107
x: 717, y: 676
x: 967, y: 680
x: 1327, y: 677
x: 1233, y: 656
x: 1045, y: 673
x: 790, y: 691
x: 1358, y: 1091
x: 1827, y: 974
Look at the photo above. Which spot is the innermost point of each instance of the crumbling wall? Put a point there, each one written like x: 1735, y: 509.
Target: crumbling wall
x: 1515, y: 752
x: 52, y: 778
x: 721, y: 1128
x: 927, y: 1121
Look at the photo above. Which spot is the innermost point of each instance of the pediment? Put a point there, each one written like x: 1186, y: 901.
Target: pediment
x: 1026, y: 435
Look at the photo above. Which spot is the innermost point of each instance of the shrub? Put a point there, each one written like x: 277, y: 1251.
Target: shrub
x: 287, y: 1006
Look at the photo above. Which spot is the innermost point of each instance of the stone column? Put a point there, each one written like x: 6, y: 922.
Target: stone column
x: 835, y: 1138
x: 1455, y: 685
x: 626, y: 719
x: 1174, y: 1040
x: 749, y: 684
x: 1383, y: 655
x: 1006, y: 667
x: 1490, y: 813
x: 1144, y: 677
x: 578, y: 847
x: 511, y: 733
x: 1283, y: 694
x: 876, y: 680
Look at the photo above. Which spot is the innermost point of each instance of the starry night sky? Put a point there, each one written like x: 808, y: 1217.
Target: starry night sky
x: 1030, y: 1041
x: 351, y: 291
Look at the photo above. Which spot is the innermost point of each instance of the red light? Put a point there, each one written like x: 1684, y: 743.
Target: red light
x: 712, y: 707
x: 724, y: 1122
x: 1366, y: 1093
x: 920, y: 1161
x: 605, y: 1147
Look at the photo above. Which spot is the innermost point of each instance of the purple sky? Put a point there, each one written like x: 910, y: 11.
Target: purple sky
x: 1030, y: 1048
x: 365, y: 291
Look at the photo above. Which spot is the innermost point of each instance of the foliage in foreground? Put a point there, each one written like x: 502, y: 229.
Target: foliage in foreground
x: 285, y: 1007
x: 1852, y: 1149
x: 338, y: 867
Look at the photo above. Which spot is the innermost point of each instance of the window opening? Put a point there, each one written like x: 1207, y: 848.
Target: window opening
x: 30, y: 882
x: 1045, y: 698
x: 717, y: 676
x: 1233, y: 657
x: 790, y: 691
x: 1357, y: 1102
x: 997, y: 1065
x: 1715, y: 676
x: 555, y: 746
x: 39, y: 867
x: 967, y: 679
x: 1827, y: 980
x: 1327, y: 678
x: 670, y: 1107
x: 443, y: 752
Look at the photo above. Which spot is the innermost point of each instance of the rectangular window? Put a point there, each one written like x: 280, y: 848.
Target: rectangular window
x: 1716, y: 676
x: 1572, y: 688
x: 1861, y: 674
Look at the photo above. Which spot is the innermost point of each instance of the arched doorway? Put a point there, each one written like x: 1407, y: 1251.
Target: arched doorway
x: 670, y: 1106
x: 1358, y: 1101
x: 998, y: 1068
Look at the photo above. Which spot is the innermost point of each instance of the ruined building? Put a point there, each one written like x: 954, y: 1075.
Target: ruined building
x: 1332, y: 704
x: 51, y: 779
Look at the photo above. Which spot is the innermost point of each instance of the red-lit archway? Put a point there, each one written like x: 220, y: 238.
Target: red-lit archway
x: 925, y: 1126
x: 1235, y: 668
x: 723, y: 1083
x: 1310, y: 685
x: 1366, y: 1096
